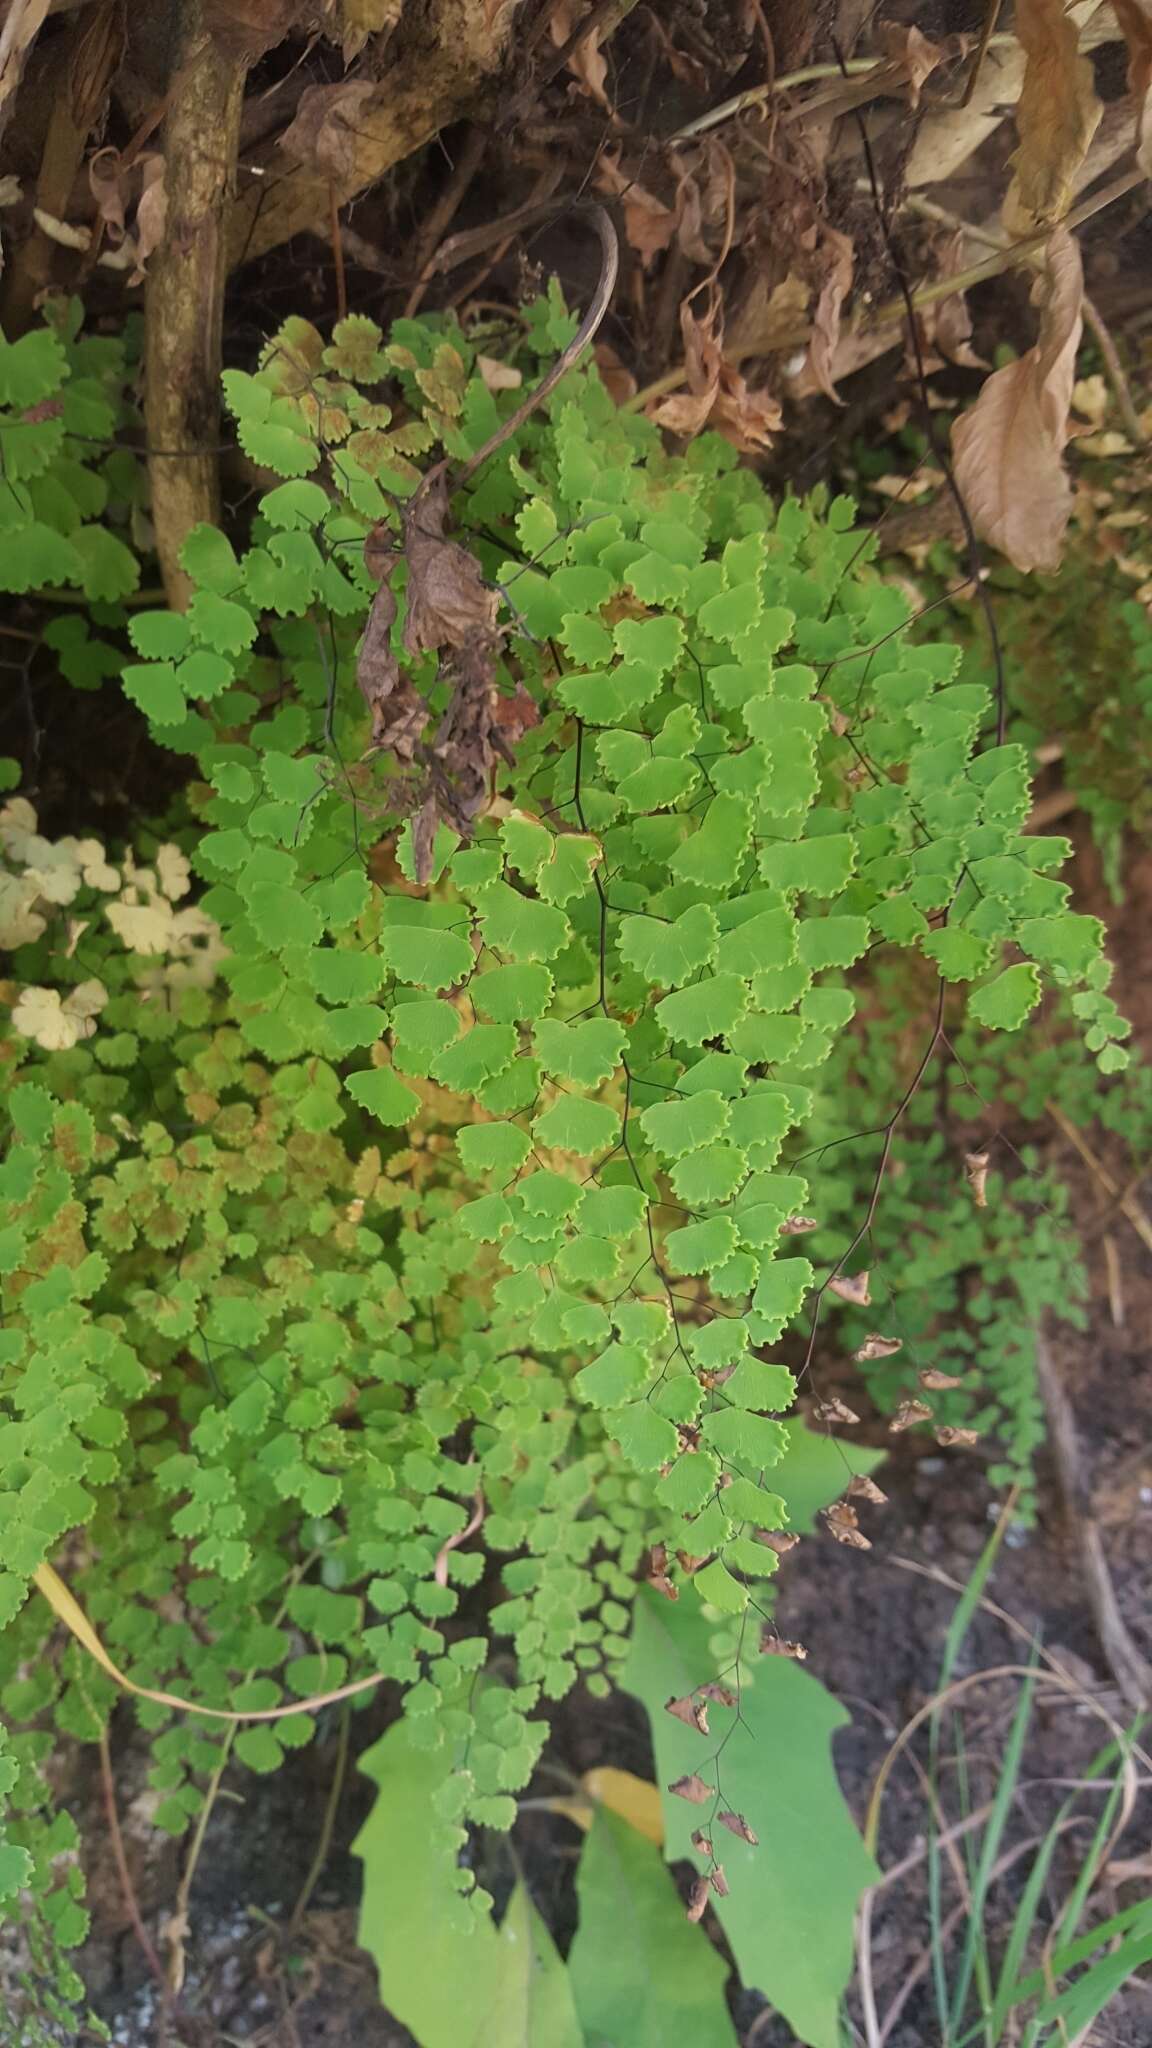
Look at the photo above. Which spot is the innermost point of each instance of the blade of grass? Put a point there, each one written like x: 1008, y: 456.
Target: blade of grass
x: 989, y: 1853
x: 1084, y: 2001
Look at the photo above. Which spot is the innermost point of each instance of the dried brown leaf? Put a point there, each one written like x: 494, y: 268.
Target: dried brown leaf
x: 717, y: 394
x: 836, y: 265
x: 106, y: 182
x: 976, y: 1174
x: 779, y: 1540
x: 698, y: 1899
x: 246, y: 29
x: 1008, y: 447
x: 693, y: 1713
x: 498, y: 376
x: 1056, y: 117
x: 937, y: 1382
x: 737, y: 1825
x: 851, y: 1287
x: 1135, y: 18
x: 719, y: 1881
x: 908, y: 1414
x: 722, y: 1694
x: 587, y: 62
x: 616, y: 377
x: 360, y: 19
x: 324, y: 131
x: 773, y: 1645
x: 693, y: 1789
x: 912, y: 54
x: 649, y: 225
x: 701, y: 1841
x: 796, y: 1226
x: 834, y: 1410
x: 864, y: 1488
x: 956, y: 1438
x: 876, y: 1346
x: 151, y: 214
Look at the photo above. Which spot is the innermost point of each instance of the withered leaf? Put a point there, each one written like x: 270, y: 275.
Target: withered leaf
x: 937, y: 1382
x: 875, y: 1346
x: 844, y: 1526
x: 795, y: 1226
x: 701, y: 1841
x: 773, y: 1645
x: 908, y: 1414
x: 779, y: 1540
x: 1056, y: 117
x: 717, y: 394
x: 864, y: 1488
x: 851, y: 1287
x: 722, y: 1694
x: 106, y: 181
x: 1008, y: 448
x: 324, y: 132
x: 698, y: 1899
x: 1135, y: 18
x: 737, y: 1825
x: 952, y: 1437
x: 693, y: 1789
x: 834, y: 1410
x: 690, y: 1564
x: 649, y: 225
x: 693, y: 1713
x: 719, y: 1881
x: 151, y: 213
x: 911, y: 54
x: 837, y: 261
x: 976, y: 1174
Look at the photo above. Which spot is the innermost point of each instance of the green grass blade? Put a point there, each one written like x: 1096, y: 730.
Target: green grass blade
x: 989, y: 1851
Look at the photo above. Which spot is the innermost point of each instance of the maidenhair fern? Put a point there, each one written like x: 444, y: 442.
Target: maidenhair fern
x: 422, y: 1187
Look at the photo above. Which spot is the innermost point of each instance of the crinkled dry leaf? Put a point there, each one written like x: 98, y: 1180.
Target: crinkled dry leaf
x: 587, y: 62
x: 151, y: 214
x: 55, y: 1024
x: 106, y: 179
x: 497, y: 376
x: 693, y: 1789
x: 323, y: 132
x: 834, y: 1410
x: 698, y: 1899
x: 718, y: 1880
x: 976, y: 1174
x: 1135, y: 18
x: 1056, y: 117
x: 779, y: 1540
x: 773, y: 1645
x: 864, y: 1488
x: 908, y: 1414
x: 1008, y: 447
x: 693, y: 1712
x: 722, y: 1694
x: 616, y: 377
x: 851, y: 1287
x: 953, y: 1438
x: 938, y: 1382
x: 701, y: 1841
x: 717, y: 395
x: 797, y: 1226
x: 360, y: 19
x: 737, y: 1825
x: 836, y: 265
x: 844, y: 1525
x: 876, y: 1346
x: 912, y: 54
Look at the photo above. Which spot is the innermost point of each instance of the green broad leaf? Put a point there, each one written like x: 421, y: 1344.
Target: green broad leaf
x: 731, y: 613
x: 518, y: 925
x: 473, y: 1059
x: 698, y: 1247
x: 1004, y: 1003
x: 1068, y: 945
x: 425, y: 957
x: 573, y: 1124
x: 959, y: 954
x: 108, y: 569
x: 716, y: 1586
x: 208, y: 557
x: 437, y: 1955
x: 832, y: 941
x: 710, y: 1174
x: 780, y: 1292
x: 709, y: 1009
x: 612, y: 1212
x: 154, y: 688
x: 752, y: 1440
x: 820, y: 867
x: 587, y: 1052
x: 297, y: 505
x: 642, y: 1977
x: 509, y: 995
x: 493, y: 1148
x: 764, y: 943
x: 532, y: 1999
x: 674, y: 1128
x: 221, y: 624
x: 759, y: 1385
x: 666, y: 954
x: 618, y: 1375
x: 383, y: 1094
x: 34, y: 554
x: 31, y: 369
x: 712, y: 857
x: 160, y: 636
x: 790, y: 1910
x: 648, y: 1440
